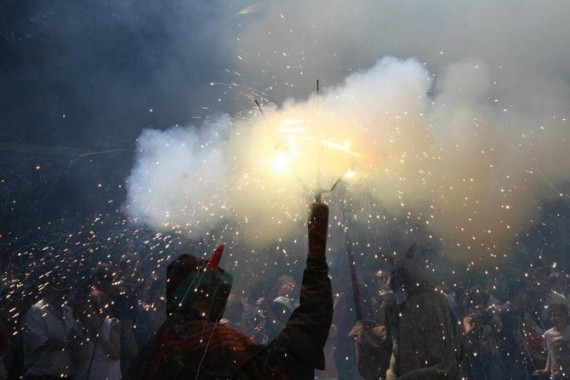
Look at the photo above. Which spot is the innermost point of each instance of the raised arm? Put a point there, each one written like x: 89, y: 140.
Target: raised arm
x: 307, y: 330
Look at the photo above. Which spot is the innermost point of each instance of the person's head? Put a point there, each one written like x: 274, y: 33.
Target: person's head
x: 129, y: 268
x: 382, y: 282
x: 409, y: 268
x: 197, y: 287
x: 103, y: 277
x: 154, y: 286
x: 285, y: 286
x: 558, y: 315
x: 516, y: 292
x: 400, y: 280
x: 54, y: 288
x: 460, y: 295
x: 476, y: 298
x: 400, y: 283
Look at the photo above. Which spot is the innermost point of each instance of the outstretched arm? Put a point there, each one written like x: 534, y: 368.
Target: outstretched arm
x: 307, y: 330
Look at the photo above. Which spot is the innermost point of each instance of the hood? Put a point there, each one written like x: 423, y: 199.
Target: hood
x: 198, y: 287
x: 409, y: 268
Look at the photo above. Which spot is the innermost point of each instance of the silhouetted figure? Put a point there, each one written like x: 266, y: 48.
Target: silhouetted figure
x: 483, y: 345
x: 557, y: 341
x: 191, y: 344
x: 272, y: 315
x: 50, y: 334
x: 151, y: 308
x: 419, y: 331
x: 111, y: 292
x: 101, y: 347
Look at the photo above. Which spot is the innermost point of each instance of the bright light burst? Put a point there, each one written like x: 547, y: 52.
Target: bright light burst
x: 299, y: 139
x: 282, y: 162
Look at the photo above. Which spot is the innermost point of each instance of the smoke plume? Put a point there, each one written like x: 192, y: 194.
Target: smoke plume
x: 452, y: 114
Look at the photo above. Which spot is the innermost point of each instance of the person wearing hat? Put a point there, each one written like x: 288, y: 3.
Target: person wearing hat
x: 419, y: 340
x: 50, y: 333
x: 191, y: 344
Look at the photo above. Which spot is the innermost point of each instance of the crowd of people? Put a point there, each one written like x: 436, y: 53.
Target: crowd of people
x: 121, y: 323
x: 61, y: 326
x: 515, y: 331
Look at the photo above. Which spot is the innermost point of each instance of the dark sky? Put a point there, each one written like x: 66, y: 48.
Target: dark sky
x: 93, y: 74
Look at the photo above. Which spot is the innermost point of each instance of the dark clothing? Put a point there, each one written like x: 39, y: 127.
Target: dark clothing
x: 515, y: 354
x: 123, y: 306
x: 186, y: 348
x: 422, y: 336
x: 483, y: 346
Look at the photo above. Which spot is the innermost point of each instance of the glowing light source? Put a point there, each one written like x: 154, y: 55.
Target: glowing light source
x: 282, y: 162
x: 349, y: 174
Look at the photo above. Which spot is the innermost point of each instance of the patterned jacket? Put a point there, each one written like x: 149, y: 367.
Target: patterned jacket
x: 186, y: 348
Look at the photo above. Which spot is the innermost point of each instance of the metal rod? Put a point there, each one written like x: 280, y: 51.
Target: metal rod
x: 354, y: 279
x: 259, y: 106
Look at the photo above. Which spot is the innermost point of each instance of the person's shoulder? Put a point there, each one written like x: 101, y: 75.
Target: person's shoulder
x: 67, y: 311
x: 36, y: 312
x: 431, y: 299
x: 551, y: 332
x: 39, y: 307
x: 284, y: 301
x: 430, y: 295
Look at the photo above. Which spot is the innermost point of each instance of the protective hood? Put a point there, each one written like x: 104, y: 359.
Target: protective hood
x: 408, y: 269
x: 198, y: 287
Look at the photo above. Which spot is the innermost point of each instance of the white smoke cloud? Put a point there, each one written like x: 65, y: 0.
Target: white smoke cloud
x: 179, y: 178
x: 469, y: 137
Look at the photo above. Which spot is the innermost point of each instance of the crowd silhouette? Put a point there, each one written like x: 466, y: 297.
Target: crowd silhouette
x: 116, y: 321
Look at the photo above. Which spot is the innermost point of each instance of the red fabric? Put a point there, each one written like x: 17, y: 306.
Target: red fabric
x: 198, y: 336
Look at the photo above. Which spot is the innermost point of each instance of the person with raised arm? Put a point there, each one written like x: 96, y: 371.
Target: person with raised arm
x: 191, y: 344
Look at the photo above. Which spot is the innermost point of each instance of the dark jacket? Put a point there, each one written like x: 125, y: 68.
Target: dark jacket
x: 423, y: 338
x: 186, y: 348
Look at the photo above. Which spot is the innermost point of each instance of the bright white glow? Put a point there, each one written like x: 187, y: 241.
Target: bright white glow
x: 349, y: 174
x: 281, y: 162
